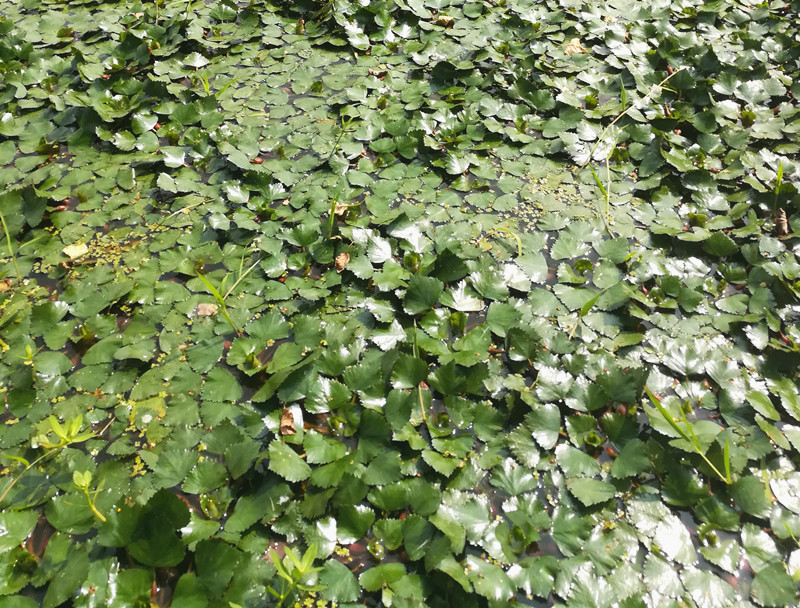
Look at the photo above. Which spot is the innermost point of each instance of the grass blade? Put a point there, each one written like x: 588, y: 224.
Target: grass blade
x: 666, y: 415
x: 223, y: 309
x: 695, y: 440
x: 726, y: 460
x: 599, y: 183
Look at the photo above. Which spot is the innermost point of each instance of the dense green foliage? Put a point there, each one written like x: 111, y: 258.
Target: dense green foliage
x: 466, y: 302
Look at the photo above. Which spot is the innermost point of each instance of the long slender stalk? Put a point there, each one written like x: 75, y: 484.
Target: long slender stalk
x: 223, y: 309
x: 11, y: 248
x: 415, y: 352
x: 345, y: 126
x: 625, y: 113
x: 25, y: 470
x: 65, y: 440
x: 512, y: 233
x: 691, y: 438
x: 778, y: 184
x: 602, y: 188
x: 240, y: 279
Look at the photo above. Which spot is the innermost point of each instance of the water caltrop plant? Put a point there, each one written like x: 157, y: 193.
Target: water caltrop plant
x: 414, y: 303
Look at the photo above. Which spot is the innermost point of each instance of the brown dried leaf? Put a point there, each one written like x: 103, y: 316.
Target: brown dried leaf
x: 5, y: 285
x: 380, y: 74
x: 340, y: 209
x: 206, y: 310
x: 445, y: 21
x: 781, y: 222
x: 574, y: 46
x: 341, y: 261
x: 287, y: 423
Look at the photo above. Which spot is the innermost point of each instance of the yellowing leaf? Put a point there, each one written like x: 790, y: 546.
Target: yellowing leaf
x: 75, y: 251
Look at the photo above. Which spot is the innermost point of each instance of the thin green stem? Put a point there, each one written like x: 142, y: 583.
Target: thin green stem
x: 608, y: 188
x: 778, y: 184
x: 11, y: 248
x: 422, y: 404
x: 92, y: 506
x: 241, y: 278
x: 625, y: 112
x: 345, y: 126
x: 691, y: 437
x: 223, y: 309
x: 25, y: 470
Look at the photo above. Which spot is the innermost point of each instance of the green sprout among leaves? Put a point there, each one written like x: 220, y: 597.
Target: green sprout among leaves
x: 217, y: 293
x: 606, y: 189
x: 223, y: 308
x: 65, y: 435
x: 294, y: 571
x: 207, y: 86
x: 585, y: 309
x: 82, y: 480
x: 689, y: 435
x: 778, y: 184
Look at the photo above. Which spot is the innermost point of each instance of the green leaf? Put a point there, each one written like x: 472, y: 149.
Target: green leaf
x: 576, y: 463
x: 590, y: 491
x: 545, y: 420
x: 221, y: 385
x: 17, y: 525
x: 441, y: 464
x: 631, y: 460
x: 448, y: 379
x: 239, y: 457
x: 772, y: 586
x: 216, y: 562
x: 353, y: 522
x: 523, y: 344
x: 417, y: 536
x: 132, y: 588
x: 422, y: 294
x: 751, y: 495
x: 189, y: 593
x: 340, y: 584
x: 173, y: 466
x: 535, y: 576
x: 205, y: 354
x: 720, y: 245
x: 66, y: 571
x: 284, y: 461
x: 15, y: 566
x: 380, y: 576
x: 456, y: 164
x: 153, y: 538
x: 487, y: 281
x: 207, y: 475
x: 383, y: 470
x: 70, y: 513
x: 408, y: 372
x: 489, y: 580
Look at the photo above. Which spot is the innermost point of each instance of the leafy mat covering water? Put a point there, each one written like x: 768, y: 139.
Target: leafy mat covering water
x: 479, y: 302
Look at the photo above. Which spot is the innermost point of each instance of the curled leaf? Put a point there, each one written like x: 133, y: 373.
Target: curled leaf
x: 341, y: 261
x: 574, y: 47
x: 287, y: 422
